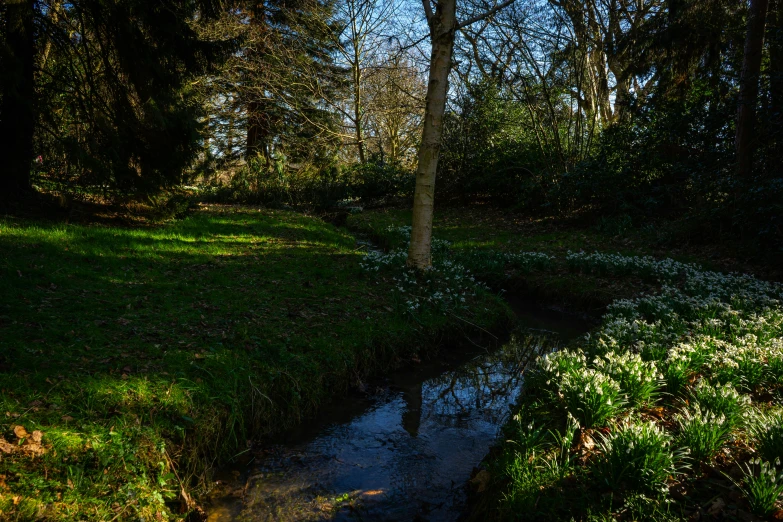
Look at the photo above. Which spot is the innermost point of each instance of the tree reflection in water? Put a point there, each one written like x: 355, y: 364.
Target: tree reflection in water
x: 404, y: 457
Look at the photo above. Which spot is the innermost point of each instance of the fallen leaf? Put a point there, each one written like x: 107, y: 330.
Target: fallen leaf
x: 5, y: 447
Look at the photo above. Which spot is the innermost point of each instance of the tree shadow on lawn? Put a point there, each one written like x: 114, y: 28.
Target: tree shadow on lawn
x: 201, y: 327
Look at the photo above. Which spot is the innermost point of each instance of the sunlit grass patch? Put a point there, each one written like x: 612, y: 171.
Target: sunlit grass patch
x: 146, y: 356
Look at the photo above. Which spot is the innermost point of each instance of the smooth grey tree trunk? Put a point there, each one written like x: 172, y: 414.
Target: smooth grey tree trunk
x: 443, y: 25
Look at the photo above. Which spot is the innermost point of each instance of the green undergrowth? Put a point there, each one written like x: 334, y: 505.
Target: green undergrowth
x: 495, y: 246
x: 480, y: 236
x: 134, y: 360
x: 669, y: 410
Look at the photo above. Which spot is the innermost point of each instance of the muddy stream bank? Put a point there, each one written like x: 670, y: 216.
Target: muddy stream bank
x: 404, y: 448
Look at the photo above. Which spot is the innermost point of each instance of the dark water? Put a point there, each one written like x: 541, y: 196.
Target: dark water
x: 405, y: 450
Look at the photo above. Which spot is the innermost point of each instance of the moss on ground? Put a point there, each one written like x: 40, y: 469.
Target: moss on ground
x: 133, y: 360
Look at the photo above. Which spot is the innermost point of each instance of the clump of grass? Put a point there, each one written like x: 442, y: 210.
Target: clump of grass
x: 763, y: 486
x: 639, y: 380
x: 538, y: 456
x: 676, y: 376
x: 702, y: 432
x: 636, y: 457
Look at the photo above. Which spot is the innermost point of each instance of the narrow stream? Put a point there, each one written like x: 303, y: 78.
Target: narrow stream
x: 403, y: 450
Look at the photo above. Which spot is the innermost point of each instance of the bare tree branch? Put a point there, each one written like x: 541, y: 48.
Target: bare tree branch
x: 427, y: 10
x: 482, y: 16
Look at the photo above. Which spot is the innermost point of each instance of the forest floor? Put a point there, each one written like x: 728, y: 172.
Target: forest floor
x: 132, y: 359
x: 483, y: 228
x: 669, y: 409
x: 135, y: 358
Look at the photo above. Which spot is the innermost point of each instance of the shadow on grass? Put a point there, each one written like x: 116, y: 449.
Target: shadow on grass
x: 145, y: 355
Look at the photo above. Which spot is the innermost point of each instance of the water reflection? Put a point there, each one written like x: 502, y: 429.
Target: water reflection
x: 402, y: 454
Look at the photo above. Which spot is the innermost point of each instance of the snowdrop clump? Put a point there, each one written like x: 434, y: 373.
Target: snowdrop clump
x: 551, y: 368
x: 712, y: 342
x: 444, y: 286
x: 639, y: 380
x: 637, y: 455
x: 592, y: 397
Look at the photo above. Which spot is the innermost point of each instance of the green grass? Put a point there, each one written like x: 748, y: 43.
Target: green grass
x: 142, y: 357
x: 476, y: 231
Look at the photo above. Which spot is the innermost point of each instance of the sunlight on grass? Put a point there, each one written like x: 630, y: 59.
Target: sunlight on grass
x: 130, y: 349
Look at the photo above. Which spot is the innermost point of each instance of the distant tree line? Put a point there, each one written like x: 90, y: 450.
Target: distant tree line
x: 636, y: 108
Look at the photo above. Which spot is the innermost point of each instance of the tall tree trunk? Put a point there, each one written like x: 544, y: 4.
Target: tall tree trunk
x: 258, y: 125
x: 356, y: 43
x: 17, y: 112
x: 258, y: 132
x: 357, y: 107
x: 443, y: 25
x: 749, y: 86
x: 776, y: 78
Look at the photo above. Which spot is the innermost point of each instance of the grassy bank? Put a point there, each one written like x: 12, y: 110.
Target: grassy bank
x: 481, y: 232
x: 134, y: 359
x: 670, y: 410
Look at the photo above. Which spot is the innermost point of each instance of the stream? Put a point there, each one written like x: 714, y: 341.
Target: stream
x: 404, y: 449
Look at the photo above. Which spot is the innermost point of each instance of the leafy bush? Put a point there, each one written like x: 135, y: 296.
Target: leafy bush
x: 636, y: 457
x: 319, y: 188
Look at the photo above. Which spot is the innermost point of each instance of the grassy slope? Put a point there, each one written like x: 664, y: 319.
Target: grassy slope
x: 145, y: 355
x: 483, y: 228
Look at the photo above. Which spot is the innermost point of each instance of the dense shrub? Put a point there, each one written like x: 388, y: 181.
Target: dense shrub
x: 318, y: 188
